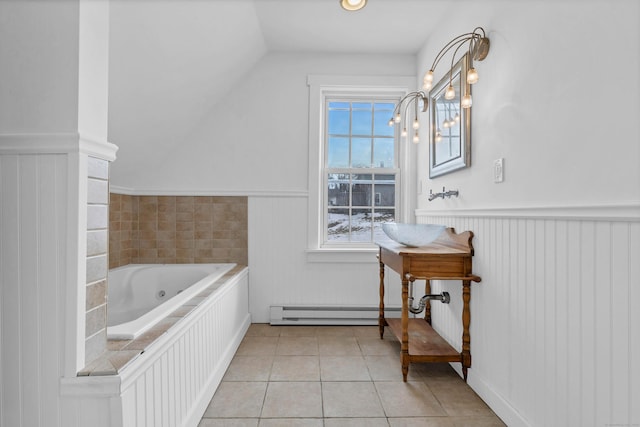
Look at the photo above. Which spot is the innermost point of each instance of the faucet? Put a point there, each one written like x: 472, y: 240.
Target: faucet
x: 433, y: 196
x: 445, y: 193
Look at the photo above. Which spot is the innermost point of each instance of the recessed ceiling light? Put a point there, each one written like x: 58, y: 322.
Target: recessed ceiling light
x: 352, y: 5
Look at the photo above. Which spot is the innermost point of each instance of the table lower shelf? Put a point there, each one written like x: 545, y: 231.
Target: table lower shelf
x: 425, y: 344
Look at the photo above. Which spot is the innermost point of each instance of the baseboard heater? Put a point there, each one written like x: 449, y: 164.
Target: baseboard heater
x: 328, y: 315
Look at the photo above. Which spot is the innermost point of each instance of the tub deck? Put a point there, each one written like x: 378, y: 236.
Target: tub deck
x: 120, y: 353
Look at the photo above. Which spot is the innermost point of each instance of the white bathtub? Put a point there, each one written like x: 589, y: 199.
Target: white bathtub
x: 171, y: 382
x: 140, y: 295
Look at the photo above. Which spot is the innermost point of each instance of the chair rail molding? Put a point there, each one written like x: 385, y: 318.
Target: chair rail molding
x: 623, y: 211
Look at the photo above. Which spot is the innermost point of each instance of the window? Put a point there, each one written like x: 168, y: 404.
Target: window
x: 357, y: 167
x: 360, y: 169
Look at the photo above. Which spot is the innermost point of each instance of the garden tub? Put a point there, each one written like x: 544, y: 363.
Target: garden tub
x: 140, y: 295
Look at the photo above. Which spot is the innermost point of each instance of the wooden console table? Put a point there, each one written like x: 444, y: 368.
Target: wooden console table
x: 446, y: 258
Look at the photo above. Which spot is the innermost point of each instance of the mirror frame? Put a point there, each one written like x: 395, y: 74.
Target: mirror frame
x: 437, y: 95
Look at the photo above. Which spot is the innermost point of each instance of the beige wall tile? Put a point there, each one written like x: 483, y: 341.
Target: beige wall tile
x: 180, y: 229
x: 96, y: 268
x: 97, y: 217
x: 96, y: 320
x: 97, y: 168
x: 97, y: 191
x: 97, y: 242
x: 96, y: 294
x: 95, y: 345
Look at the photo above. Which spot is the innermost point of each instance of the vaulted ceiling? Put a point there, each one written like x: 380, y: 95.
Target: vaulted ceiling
x: 171, y: 60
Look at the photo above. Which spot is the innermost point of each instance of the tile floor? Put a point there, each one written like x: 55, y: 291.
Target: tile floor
x: 331, y: 376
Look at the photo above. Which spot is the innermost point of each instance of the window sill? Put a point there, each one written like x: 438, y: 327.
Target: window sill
x: 346, y: 255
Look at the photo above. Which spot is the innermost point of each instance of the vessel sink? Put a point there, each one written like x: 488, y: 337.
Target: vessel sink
x: 412, y: 235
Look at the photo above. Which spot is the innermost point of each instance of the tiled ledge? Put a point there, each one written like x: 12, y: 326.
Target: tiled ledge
x: 121, y: 353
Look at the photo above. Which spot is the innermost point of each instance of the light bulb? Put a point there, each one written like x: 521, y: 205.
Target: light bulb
x: 353, y: 5
x: 416, y: 138
x: 450, y: 93
x: 472, y: 76
x: 397, y: 118
x: 452, y: 123
x: 404, y: 133
x: 445, y: 124
x: 457, y: 118
x: 391, y: 122
x: 416, y: 124
x: 427, y: 80
x: 466, y: 101
x: 438, y: 136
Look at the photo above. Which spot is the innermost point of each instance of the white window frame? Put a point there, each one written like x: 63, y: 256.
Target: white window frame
x: 321, y: 88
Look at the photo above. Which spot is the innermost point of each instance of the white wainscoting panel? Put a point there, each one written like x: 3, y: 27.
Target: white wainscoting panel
x: 33, y: 233
x: 171, y: 385
x: 555, y: 323
x: 172, y: 382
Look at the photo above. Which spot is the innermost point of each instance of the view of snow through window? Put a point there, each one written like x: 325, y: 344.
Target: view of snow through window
x: 360, y: 167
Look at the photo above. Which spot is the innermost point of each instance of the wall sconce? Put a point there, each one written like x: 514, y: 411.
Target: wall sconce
x: 352, y: 5
x: 478, y: 48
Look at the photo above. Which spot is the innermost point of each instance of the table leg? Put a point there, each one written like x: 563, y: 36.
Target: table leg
x: 381, y: 320
x: 466, y: 320
x: 404, y: 344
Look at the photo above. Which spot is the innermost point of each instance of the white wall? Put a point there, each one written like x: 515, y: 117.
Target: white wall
x: 39, y: 86
x: 255, y: 139
x: 48, y: 75
x: 554, y: 330
x: 557, y: 99
x: 170, y: 63
x: 255, y: 142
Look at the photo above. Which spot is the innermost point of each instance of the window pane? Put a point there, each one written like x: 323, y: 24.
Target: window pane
x: 362, y: 106
x: 338, y: 225
x: 361, y: 122
x: 339, y: 105
x: 384, y: 190
x: 338, y: 122
x: 385, y: 106
x: 338, y: 190
x: 361, y: 225
x: 383, y: 153
x: 361, y: 152
x: 381, y: 123
x: 358, y: 137
x: 338, y: 152
x: 361, y: 190
x: 381, y: 216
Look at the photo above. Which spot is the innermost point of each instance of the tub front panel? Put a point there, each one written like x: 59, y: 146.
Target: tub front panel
x: 173, y: 380
x: 173, y: 384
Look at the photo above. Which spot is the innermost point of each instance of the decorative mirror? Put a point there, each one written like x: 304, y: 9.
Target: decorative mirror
x: 450, y: 130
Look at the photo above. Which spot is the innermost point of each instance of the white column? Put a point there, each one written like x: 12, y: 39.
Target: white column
x: 53, y: 116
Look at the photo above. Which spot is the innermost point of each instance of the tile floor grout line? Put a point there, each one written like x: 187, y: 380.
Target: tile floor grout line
x: 421, y: 377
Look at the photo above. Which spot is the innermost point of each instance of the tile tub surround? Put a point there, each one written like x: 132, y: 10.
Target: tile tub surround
x: 177, y: 229
x: 337, y: 376
x: 96, y: 262
x: 120, y: 352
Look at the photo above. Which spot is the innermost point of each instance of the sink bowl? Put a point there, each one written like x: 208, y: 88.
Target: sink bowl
x: 412, y: 235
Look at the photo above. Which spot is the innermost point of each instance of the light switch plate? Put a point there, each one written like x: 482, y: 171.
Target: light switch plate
x: 498, y: 170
